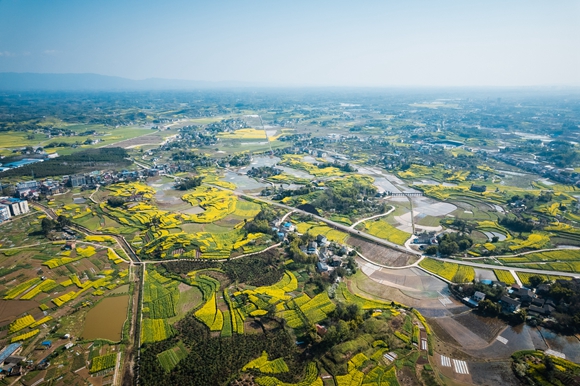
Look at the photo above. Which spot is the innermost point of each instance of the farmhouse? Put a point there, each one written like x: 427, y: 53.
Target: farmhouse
x: 312, y: 248
x: 509, y: 305
x: 478, y: 296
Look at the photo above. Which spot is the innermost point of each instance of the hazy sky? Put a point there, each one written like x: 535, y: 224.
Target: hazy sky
x: 294, y: 42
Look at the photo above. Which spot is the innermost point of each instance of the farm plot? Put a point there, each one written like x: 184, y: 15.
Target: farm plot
x: 155, y: 330
x: 160, y: 294
x: 311, y: 378
x: 381, y: 228
x: 504, y: 276
x: 381, y: 254
x: 450, y: 271
x: 103, y: 362
x: 263, y: 365
x: 171, y: 357
x: 525, y: 277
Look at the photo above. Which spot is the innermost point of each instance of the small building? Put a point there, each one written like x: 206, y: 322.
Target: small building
x: 478, y: 296
x: 525, y: 295
x: 14, y: 359
x: 46, y: 344
x: 26, y: 185
x: 335, y: 261
x: 4, y: 212
x: 321, y: 330
x: 9, y: 350
x: 70, y: 245
x: 538, y: 302
x: 425, y: 238
x: 509, y: 305
x: 535, y: 310
x: 321, y: 240
x: 13, y: 206
x: 312, y: 248
x: 77, y: 180
x: 321, y: 267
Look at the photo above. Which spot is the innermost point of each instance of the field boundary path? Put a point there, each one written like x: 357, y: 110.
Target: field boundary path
x: 373, y: 217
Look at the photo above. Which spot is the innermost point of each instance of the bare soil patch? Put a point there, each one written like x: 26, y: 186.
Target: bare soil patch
x: 407, y: 376
x: 485, y: 328
x: 10, y: 309
x: 149, y: 139
x: 492, y: 373
x: 460, y: 333
x: 381, y: 254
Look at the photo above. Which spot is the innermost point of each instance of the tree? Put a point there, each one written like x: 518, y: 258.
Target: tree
x: 115, y: 202
x: 431, y: 250
x: 47, y: 225
x: 536, y: 280
x: 487, y: 307
x: 63, y: 221
x: 188, y: 183
x: 448, y: 247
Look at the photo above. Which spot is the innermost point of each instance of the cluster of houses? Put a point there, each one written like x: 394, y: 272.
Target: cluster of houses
x: 517, y: 297
x: 327, y: 259
x: 283, y: 229
x: 10, y: 361
x: 12, y: 207
x: 566, y: 176
x: 426, y: 238
x: 48, y: 187
x: 321, y: 247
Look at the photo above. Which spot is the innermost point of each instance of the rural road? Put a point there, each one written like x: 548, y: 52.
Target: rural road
x: 373, y: 217
x: 335, y: 225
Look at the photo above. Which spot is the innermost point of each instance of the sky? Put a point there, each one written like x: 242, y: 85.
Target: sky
x: 299, y: 43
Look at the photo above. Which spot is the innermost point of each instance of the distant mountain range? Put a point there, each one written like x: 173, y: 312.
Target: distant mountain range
x: 25, y: 81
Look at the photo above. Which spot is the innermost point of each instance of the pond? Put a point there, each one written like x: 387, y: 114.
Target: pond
x: 106, y: 319
x: 244, y: 182
x: 264, y: 161
x: 490, y: 235
x: 566, y: 344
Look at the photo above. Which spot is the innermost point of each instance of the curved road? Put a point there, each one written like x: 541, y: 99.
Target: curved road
x: 335, y: 225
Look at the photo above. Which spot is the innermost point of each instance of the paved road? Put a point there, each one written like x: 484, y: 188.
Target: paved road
x: 505, y: 268
x: 120, y: 239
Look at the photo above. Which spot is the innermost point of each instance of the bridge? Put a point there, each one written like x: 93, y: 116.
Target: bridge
x: 417, y: 194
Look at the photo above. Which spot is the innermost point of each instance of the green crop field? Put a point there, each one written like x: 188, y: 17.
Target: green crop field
x: 381, y: 228
x: 171, y: 357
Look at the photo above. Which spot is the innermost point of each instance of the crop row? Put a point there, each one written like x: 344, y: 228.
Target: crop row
x: 384, y: 230
x: 318, y: 307
x: 103, y: 362
x: 450, y: 271
x: 155, y: 330
x: 25, y: 336
x: 311, y: 378
x: 20, y: 288
x: 45, y: 286
x: 504, y: 276
x: 354, y: 377
x: 21, y: 323
x: 171, y: 357
x: 59, y: 261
